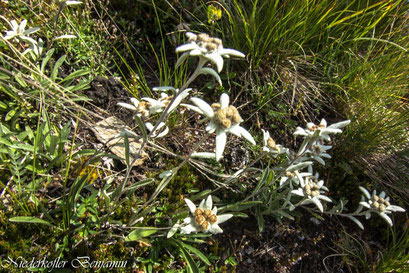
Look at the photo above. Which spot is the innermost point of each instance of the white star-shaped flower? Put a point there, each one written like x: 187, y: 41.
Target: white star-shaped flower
x: 148, y: 106
x: 312, y: 190
x: 206, y: 47
x: 223, y: 119
x: 19, y: 30
x: 204, y: 218
x: 378, y: 204
x: 317, y: 152
x: 271, y: 147
x: 321, y: 131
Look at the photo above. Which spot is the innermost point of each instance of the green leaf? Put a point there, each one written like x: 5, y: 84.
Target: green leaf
x: 31, y: 220
x: 138, y: 234
x: 285, y: 214
x: 260, y: 221
x: 192, y: 266
x: 242, y: 205
x: 68, y: 80
x: 47, y: 57
x: 141, y: 126
x: 197, y: 252
x: 57, y: 65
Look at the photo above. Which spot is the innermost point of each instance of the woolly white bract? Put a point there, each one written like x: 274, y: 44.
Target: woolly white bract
x: 207, y: 48
x: 223, y: 119
x: 378, y: 204
x: 203, y: 218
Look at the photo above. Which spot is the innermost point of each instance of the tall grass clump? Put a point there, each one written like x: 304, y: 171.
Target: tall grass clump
x: 346, y: 58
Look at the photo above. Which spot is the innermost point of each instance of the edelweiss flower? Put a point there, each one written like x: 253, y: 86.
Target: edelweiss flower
x: 317, y: 152
x: 158, y: 132
x: 145, y: 107
x: 321, y: 131
x: 292, y: 174
x: 311, y: 189
x: 271, y: 147
x: 149, y: 106
x: 223, y: 119
x: 207, y: 48
x: 379, y: 204
x: 19, y: 30
x: 204, y: 218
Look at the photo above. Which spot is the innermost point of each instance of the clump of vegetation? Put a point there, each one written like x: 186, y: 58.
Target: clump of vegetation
x: 280, y: 128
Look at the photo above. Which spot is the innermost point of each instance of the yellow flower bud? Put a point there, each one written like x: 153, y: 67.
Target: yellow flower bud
x: 212, y: 219
x: 200, y: 219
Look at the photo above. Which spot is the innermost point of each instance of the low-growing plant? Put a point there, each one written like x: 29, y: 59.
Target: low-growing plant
x: 277, y: 182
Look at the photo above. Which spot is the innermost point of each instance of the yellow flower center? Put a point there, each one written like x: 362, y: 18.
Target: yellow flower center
x: 204, y: 217
x: 226, y: 117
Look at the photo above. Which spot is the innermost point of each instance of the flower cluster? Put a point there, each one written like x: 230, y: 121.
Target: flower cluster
x: 203, y: 218
x: 312, y: 190
x: 19, y: 31
x: 378, y: 204
x: 148, y: 106
x: 223, y: 119
x: 207, y: 48
x: 321, y: 131
x: 271, y: 147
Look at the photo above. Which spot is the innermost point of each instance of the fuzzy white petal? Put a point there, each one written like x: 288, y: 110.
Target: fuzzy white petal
x: 365, y: 192
x: 221, y: 138
x: 224, y: 100
x: 318, y: 204
x: 231, y: 52
x: 365, y: 204
x: 206, y: 108
x: 323, y: 197
x: 203, y: 155
x: 386, y: 218
x: 395, y: 208
x: 127, y: 106
x: 244, y: 133
x: 163, y: 133
x: 187, y: 229
x: 194, y: 108
x: 235, y: 130
x: 298, y: 192
x: 186, y: 47
x: 208, y: 70
x: 216, y: 59
x: 340, y: 125
x: 215, y: 229
x: 223, y: 218
x: 211, y: 127
x: 191, y: 205
x: 209, y: 202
